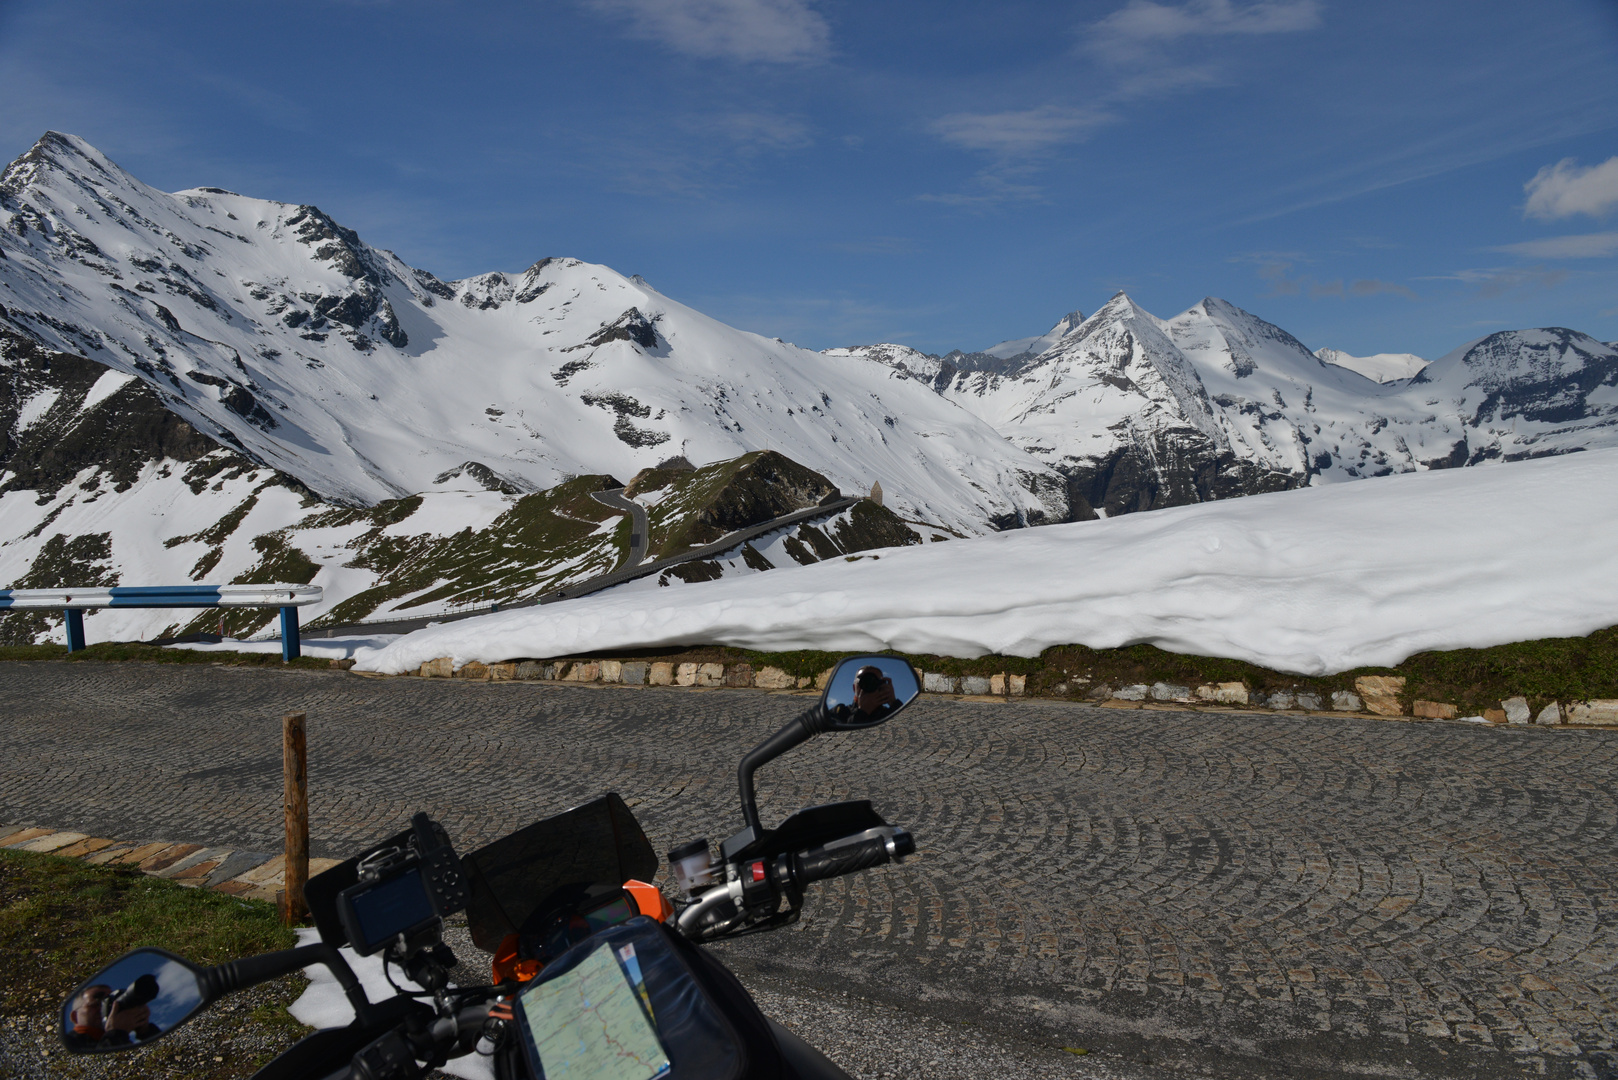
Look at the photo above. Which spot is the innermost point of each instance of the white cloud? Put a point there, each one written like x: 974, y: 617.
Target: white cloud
x: 1018, y: 133
x: 1129, y: 31
x: 1588, y: 246
x: 787, y: 31
x: 1565, y: 189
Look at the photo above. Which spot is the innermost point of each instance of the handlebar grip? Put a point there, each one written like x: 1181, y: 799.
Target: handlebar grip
x: 823, y: 863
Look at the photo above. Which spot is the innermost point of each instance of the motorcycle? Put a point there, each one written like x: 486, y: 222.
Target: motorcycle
x: 596, y: 974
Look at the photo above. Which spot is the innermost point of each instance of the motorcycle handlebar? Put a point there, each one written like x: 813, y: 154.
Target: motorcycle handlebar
x: 818, y: 864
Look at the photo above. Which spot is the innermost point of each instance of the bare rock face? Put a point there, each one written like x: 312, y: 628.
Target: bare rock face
x: 1381, y: 693
x: 61, y: 413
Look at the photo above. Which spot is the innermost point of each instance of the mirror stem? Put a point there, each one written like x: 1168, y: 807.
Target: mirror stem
x: 252, y: 970
x: 797, y: 730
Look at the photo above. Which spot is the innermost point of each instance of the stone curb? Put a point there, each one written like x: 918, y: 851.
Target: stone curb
x: 1374, y: 697
x: 258, y: 875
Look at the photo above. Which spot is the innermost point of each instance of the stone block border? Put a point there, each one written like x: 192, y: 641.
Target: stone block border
x: 257, y: 875
x: 1376, y: 696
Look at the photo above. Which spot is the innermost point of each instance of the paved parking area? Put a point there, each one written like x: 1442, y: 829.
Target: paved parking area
x: 1230, y: 894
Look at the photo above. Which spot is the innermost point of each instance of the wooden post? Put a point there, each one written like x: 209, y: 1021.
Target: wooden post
x: 295, y: 803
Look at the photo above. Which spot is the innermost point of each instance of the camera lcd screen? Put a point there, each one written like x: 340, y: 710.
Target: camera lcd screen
x: 388, y: 909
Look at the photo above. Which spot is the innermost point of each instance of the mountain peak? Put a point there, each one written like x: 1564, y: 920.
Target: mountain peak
x: 1121, y: 307
x: 62, y: 152
x: 1066, y: 324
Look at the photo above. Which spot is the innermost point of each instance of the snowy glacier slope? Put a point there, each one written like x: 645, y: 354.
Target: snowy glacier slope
x: 1314, y: 581
x: 275, y: 329
x: 1379, y: 367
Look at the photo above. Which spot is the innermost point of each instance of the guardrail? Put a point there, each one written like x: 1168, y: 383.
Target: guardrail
x: 73, y: 602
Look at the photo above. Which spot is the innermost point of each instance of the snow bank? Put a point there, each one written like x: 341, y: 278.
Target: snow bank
x: 1312, y: 581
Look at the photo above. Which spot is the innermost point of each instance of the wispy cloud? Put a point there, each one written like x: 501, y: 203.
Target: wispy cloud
x: 1376, y: 286
x: 1019, y: 133
x: 988, y: 188
x: 1147, y: 50
x: 1565, y: 189
x: 1588, y: 246
x: 1276, y: 270
x: 1490, y: 282
x: 781, y: 31
x: 1141, y: 27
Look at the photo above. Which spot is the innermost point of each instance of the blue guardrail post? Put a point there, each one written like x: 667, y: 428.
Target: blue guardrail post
x: 291, y: 647
x: 75, y: 628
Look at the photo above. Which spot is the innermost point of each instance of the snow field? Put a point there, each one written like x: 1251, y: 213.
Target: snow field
x: 1312, y: 581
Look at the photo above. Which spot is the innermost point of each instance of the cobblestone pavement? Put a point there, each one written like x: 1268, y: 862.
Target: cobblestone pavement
x: 1223, y: 893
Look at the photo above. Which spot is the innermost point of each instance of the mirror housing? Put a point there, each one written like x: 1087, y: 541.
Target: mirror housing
x: 865, y: 691
x: 141, y: 996
x: 152, y: 992
x: 844, y: 706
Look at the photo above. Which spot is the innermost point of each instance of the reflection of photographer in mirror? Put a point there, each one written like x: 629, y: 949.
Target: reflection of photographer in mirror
x: 873, y: 694
x: 102, y: 1016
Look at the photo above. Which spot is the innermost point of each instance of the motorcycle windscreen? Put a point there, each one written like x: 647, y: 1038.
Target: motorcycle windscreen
x: 553, y: 862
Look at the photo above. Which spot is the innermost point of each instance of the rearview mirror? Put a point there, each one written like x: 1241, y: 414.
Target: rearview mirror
x: 865, y: 691
x: 139, y: 997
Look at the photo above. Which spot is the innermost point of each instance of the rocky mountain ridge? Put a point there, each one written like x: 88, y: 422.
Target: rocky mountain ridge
x: 278, y: 331
x: 1140, y: 412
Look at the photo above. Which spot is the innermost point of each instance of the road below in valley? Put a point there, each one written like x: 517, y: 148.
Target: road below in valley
x: 1177, y: 893
x: 640, y: 529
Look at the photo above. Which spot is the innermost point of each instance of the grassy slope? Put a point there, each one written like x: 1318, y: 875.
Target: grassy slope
x: 544, y: 540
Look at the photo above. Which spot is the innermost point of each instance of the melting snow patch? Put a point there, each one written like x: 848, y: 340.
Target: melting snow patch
x: 324, y: 1006
x: 109, y: 384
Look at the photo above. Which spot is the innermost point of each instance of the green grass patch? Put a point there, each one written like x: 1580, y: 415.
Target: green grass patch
x: 61, y: 921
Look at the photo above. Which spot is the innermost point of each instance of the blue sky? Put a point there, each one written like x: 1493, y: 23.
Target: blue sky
x: 1373, y: 176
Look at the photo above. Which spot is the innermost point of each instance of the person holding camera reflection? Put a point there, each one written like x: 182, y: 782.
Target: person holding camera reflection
x: 873, y: 695
x: 102, y: 1017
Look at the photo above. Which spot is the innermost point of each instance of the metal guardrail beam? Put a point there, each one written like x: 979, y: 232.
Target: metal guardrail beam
x: 167, y: 596
x: 74, y: 602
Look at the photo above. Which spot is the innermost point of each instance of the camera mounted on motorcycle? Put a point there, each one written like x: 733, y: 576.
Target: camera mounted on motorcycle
x: 404, y: 893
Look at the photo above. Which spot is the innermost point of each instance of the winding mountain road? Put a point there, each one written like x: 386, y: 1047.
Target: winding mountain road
x: 639, y: 529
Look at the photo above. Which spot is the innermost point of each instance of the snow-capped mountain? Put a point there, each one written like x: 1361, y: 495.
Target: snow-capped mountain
x: 1380, y: 367
x: 277, y: 330
x: 1140, y: 412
